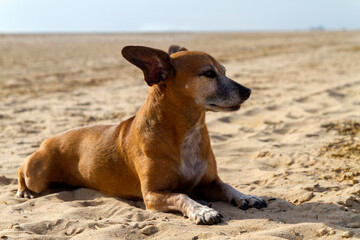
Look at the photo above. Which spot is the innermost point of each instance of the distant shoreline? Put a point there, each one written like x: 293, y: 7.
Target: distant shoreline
x: 178, y: 32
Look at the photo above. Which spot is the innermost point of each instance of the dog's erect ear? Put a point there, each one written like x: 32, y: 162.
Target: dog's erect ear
x: 154, y: 63
x: 175, y: 49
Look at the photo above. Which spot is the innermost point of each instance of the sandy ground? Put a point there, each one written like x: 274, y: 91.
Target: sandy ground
x: 295, y: 142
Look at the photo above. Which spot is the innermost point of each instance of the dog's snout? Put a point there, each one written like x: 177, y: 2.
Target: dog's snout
x: 245, y: 93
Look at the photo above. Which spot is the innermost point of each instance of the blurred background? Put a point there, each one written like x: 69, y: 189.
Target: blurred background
x: 44, y: 16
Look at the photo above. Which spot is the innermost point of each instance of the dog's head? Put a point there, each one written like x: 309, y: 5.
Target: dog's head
x: 190, y: 76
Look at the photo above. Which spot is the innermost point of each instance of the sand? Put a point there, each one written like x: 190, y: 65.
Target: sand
x: 295, y: 142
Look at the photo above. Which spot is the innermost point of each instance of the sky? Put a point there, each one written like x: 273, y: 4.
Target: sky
x: 57, y: 16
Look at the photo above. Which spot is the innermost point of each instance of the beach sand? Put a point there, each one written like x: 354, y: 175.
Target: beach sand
x: 295, y: 142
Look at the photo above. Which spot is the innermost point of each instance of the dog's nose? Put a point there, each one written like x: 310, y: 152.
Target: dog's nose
x: 246, y: 93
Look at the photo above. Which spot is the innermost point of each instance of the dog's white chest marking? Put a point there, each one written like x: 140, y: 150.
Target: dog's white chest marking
x: 193, y: 167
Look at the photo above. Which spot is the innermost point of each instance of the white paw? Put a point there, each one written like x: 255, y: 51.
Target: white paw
x: 205, y: 215
x: 25, y: 194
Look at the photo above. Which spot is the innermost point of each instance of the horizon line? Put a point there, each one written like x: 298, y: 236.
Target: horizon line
x: 175, y: 31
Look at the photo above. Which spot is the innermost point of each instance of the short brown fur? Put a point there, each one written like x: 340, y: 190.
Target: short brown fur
x: 163, y: 153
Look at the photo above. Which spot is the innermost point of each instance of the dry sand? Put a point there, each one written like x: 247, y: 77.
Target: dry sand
x: 295, y: 142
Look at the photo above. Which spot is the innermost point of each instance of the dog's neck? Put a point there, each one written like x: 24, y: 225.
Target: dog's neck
x: 171, y: 114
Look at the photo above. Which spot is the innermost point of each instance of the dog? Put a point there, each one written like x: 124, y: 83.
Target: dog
x: 162, y: 154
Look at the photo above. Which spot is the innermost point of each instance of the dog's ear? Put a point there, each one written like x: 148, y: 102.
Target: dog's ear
x: 154, y: 63
x: 175, y: 49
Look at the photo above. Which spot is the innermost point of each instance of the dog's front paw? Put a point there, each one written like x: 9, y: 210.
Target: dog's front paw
x: 247, y: 201
x: 241, y: 200
x: 205, y: 215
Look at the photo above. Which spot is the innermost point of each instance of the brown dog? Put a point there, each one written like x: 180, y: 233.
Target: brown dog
x: 163, y: 153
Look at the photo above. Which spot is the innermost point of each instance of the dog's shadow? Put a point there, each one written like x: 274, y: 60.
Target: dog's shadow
x: 284, y: 212
x: 278, y: 210
x: 87, y: 196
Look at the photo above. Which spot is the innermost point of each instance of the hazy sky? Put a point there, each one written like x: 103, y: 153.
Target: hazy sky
x: 167, y: 15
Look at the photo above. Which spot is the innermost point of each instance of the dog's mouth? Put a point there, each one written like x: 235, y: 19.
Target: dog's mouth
x: 218, y: 108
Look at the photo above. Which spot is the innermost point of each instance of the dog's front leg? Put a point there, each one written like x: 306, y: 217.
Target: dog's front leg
x: 169, y: 202
x: 217, y: 190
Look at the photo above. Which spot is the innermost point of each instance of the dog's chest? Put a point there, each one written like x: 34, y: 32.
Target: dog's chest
x: 193, y: 167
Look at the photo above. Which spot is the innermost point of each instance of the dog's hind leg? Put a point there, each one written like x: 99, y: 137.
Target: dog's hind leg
x: 23, y: 191
x: 33, y: 175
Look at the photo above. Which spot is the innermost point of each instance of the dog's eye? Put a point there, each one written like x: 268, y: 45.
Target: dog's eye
x: 209, y: 74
